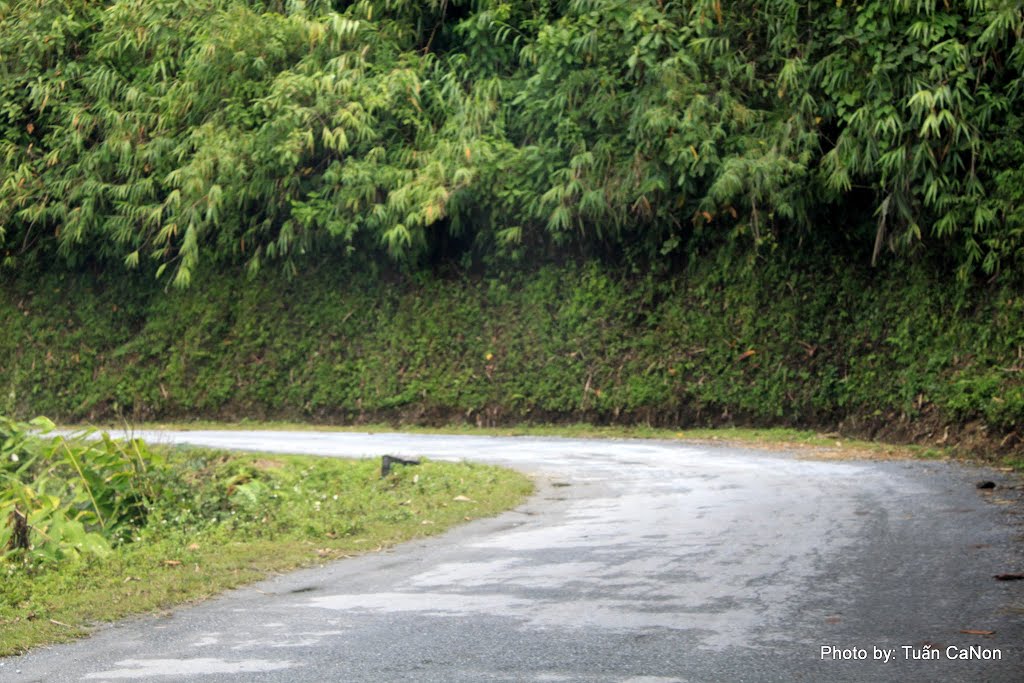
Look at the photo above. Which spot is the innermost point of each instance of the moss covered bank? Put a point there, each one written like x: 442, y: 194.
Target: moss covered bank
x: 894, y: 354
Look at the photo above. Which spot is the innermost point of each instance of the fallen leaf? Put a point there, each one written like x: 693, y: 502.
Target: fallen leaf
x: 426, y: 521
x: 463, y: 499
x: 172, y: 563
x: 746, y: 354
x: 977, y: 632
x: 193, y: 546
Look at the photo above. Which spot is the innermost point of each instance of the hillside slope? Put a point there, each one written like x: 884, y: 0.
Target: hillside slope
x: 892, y: 354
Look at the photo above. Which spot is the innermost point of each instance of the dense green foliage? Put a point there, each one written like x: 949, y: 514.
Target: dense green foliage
x: 139, y: 130
x: 713, y: 177
x: 787, y: 343
x: 200, y: 521
x: 79, y: 499
x: 61, y: 498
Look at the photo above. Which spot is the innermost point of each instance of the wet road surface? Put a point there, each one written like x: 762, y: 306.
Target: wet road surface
x: 636, y: 561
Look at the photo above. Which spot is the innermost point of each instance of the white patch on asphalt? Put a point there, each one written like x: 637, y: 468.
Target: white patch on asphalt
x: 300, y: 639
x: 429, y: 603
x: 207, y: 640
x: 517, y: 571
x: 616, y: 615
x: 143, y: 668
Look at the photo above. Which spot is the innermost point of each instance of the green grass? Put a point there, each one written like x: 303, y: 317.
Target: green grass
x: 236, y: 518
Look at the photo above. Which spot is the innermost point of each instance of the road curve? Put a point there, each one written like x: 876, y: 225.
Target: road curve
x: 637, y: 561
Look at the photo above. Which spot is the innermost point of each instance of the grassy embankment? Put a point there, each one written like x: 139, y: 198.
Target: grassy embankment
x: 894, y: 354
x: 139, y: 530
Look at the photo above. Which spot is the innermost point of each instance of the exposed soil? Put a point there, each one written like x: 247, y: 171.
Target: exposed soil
x: 974, y: 438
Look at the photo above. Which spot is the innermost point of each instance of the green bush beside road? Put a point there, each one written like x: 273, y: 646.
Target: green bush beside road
x: 93, y: 531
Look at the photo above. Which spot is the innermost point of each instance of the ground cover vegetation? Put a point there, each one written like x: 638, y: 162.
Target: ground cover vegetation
x: 679, y: 213
x: 94, y: 531
x: 720, y: 344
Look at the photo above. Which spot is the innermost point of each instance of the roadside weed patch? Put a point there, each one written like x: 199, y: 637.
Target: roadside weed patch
x: 200, y: 521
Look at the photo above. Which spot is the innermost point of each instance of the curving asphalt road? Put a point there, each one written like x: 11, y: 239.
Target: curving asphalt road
x: 637, y: 561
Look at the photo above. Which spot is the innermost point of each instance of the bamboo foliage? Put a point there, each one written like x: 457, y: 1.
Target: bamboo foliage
x: 161, y: 133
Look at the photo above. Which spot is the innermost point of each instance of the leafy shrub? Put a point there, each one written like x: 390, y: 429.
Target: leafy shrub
x: 63, y: 497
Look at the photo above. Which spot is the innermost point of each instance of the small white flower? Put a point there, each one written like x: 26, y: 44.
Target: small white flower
x: 14, y: 457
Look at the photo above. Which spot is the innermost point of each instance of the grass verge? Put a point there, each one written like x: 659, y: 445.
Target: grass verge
x: 227, y: 519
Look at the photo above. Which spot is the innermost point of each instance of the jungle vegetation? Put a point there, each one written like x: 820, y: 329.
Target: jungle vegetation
x: 160, y: 133
x: 647, y: 211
